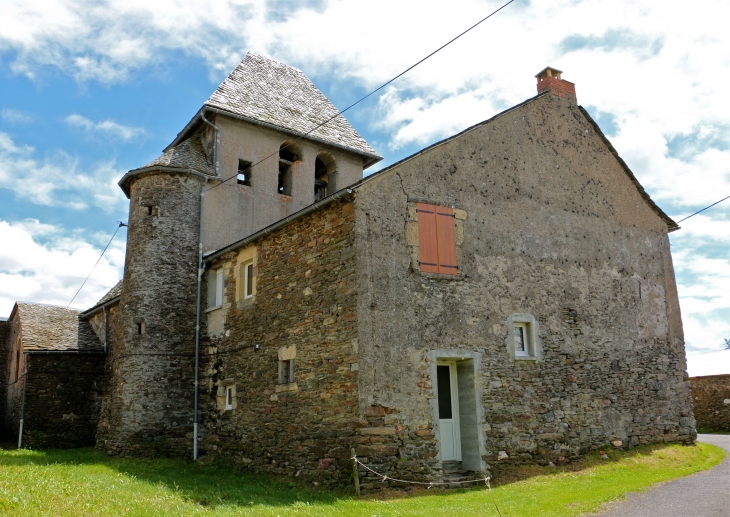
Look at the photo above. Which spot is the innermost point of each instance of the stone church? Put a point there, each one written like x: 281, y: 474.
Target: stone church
x: 505, y: 295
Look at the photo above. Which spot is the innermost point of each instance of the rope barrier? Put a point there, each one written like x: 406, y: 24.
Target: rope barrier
x: 428, y: 484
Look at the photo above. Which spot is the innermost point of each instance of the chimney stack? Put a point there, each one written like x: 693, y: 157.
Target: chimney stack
x: 549, y: 79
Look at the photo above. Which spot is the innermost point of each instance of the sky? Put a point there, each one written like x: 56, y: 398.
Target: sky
x: 90, y: 89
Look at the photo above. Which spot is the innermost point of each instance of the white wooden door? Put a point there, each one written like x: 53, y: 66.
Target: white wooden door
x: 448, y: 402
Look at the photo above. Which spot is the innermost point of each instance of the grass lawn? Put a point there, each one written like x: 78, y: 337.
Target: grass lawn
x: 82, y: 483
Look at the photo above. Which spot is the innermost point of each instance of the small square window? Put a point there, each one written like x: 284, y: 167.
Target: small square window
x: 229, y: 398
x: 244, y: 173
x: 248, y: 279
x: 286, y: 371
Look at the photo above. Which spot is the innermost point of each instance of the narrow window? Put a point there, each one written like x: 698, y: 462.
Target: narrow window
x: 437, y: 239
x: 244, y: 173
x: 522, y: 339
x: 151, y: 210
x: 248, y: 279
x: 229, y: 398
x: 215, y: 288
x: 219, y: 287
x: 140, y: 328
x: 286, y: 371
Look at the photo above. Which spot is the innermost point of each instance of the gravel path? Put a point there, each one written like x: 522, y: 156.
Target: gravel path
x: 705, y: 494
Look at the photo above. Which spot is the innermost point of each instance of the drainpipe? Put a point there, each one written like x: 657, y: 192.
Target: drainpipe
x: 201, y: 269
x: 22, y: 406
x: 217, y: 145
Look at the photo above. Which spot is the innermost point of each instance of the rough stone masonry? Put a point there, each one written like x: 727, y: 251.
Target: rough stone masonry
x: 550, y: 229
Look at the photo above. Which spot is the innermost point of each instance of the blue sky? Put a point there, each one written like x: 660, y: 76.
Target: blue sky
x: 89, y: 90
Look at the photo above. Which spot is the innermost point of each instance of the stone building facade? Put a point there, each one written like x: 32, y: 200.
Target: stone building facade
x: 504, y: 296
x: 711, y: 399
x: 52, y: 379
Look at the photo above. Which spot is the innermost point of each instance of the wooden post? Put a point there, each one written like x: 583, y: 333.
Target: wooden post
x: 355, y: 473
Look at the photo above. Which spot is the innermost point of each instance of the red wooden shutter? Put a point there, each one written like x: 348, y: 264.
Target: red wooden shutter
x: 446, y: 240
x: 427, y: 239
x: 436, y: 239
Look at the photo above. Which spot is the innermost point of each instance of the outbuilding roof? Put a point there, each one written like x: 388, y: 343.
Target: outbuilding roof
x: 52, y: 328
x: 273, y: 93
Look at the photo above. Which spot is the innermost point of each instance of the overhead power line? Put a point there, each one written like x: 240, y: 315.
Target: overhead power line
x: 710, y: 206
x: 369, y: 94
x: 97, y: 262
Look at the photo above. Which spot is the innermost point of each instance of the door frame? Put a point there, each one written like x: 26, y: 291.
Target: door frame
x: 454, y: 389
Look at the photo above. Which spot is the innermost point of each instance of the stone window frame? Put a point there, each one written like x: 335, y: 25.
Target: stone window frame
x: 217, y: 314
x: 247, y: 256
x: 287, y: 358
x: 413, y: 243
x: 534, y: 346
x: 226, y: 387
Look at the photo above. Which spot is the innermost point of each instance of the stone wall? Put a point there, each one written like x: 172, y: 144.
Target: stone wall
x: 711, y: 394
x: 62, y: 400
x: 553, y: 229
x: 150, y: 409
x: 109, y: 380
x: 5, y: 348
x: 13, y: 390
x: 304, y: 308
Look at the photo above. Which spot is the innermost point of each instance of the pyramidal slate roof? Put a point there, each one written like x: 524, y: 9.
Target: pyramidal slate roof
x: 268, y: 91
x: 58, y: 329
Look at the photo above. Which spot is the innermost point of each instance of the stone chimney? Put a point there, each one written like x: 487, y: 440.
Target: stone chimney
x: 549, y: 80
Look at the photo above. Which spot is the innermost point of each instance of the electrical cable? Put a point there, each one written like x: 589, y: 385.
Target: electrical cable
x: 97, y: 263
x: 710, y: 206
x: 366, y: 96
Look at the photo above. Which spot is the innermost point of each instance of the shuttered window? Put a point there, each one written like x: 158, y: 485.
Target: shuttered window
x: 436, y: 239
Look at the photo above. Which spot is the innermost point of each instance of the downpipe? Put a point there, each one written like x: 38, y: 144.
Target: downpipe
x: 201, y: 269
x: 22, y: 406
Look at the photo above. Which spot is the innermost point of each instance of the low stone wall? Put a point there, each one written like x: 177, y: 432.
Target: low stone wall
x: 62, y: 400
x: 711, y: 396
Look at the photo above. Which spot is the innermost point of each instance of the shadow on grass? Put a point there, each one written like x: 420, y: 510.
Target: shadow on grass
x: 215, y: 484
x: 207, y: 485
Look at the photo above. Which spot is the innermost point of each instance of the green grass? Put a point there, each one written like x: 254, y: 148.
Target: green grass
x: 82, y: 483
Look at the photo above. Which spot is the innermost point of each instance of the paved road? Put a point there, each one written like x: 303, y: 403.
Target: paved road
x: 705, y: 494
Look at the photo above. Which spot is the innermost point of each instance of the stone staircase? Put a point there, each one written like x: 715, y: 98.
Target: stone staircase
x: 453, y: 473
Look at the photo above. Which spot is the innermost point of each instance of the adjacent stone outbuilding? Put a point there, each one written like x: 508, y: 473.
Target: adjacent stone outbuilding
x: 711, y: 398
x: 55, y: 369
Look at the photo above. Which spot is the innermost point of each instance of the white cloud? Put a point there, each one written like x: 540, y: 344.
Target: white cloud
x: 109, y: 127
x: 716, y: 363
x: 47, y: 264
x: 57, y: 180
x: 12, y: 116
